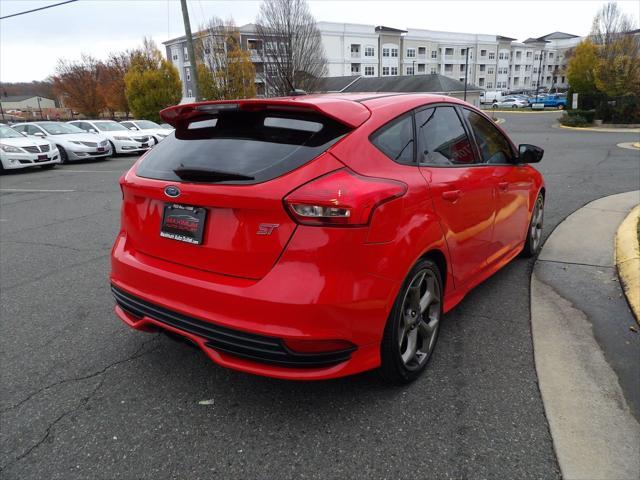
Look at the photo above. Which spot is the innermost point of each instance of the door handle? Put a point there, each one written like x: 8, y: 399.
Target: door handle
x: 451, y: 195
x: 504, y: 186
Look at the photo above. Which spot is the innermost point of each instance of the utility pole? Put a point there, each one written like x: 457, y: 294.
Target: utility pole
x: 190, y: 49
x: 539, y: 72
x: 466, y: 72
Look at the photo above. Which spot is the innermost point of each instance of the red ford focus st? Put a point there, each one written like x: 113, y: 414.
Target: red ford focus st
x: 319, y: 236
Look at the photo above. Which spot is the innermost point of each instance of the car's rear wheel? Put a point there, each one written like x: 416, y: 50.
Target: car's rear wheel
x: 113, y: 149
x: 412, y: 328
x: 534, y: 233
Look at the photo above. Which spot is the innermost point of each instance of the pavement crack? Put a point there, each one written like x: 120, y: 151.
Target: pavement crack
x: 83, y: 401
x: 45, y: 244
x: 137, y: 354
x: 576, y: 263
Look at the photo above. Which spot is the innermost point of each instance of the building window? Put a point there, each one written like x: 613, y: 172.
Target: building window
x: 385, y: 52
x: 462, y: 68
x: 355, y: 50
x: 355, y: 69
x: 394, y: 52
x: 174, y: 55
x: 422, y: 51
x: 537, y: 57
x: 434, y: 54
x: 394, y: 70
x: 369, y: 71
x: 489, y: 84
x: 490, y: 70
x: 448, y: 68
x: 187, y: 73
x: 189, y: 93
x: 369, y: 51
x: 483, y: 53
x: 410, y: 71
x: 411, y: 53
x: 421, y: 68
x: 481, y: 82
x: 550, y: 55
x: 492, y: 55
x: 482, y: 67
x: 527, y: 68
x: 529, y: 54
x: 501, y: 56
x: 385, y: 71
x: 448, y: 51
x: 434, y: 70
x: 186, y: 54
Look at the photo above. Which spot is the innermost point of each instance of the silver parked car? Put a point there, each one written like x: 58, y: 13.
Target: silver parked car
x: 72, y: 142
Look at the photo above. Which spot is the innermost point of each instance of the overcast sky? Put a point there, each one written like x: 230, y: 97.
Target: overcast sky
x: 31, y: 44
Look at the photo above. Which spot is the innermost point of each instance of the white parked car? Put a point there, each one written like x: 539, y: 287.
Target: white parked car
x: 147, y: 127
x: 510, y: 102
x: 73, y: 143
x: 18, y: 151
x: 121, y: 139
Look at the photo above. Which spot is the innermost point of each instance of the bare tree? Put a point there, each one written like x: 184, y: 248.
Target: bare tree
x: 77, y: 84
x: 289, y: 46
x: 609, y: 23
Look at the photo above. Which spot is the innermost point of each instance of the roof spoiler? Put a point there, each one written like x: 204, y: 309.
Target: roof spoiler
x: 348, y: 112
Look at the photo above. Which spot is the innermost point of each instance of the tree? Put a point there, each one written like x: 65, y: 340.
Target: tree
x: 226, y: 71
x: 77, y: 84
x: 152, y: 83
x: 618, y: 68
x: 111, y: 86
x: 581, y: 67
x: 290, y: 45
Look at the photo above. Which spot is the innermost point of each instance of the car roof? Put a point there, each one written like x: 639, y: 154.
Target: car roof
x: 352, y: 109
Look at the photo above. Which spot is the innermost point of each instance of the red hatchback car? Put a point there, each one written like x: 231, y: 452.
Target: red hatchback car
x: 318, y: 236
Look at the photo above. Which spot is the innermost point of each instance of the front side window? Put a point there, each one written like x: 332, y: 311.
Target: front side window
x: 395, y: 140
x: 442, y: 139
x: 494, y: 147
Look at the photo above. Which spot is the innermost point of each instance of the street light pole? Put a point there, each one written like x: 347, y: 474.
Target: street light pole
x: 466, y: 72
x: 190, y: 49
x: 539, y: 72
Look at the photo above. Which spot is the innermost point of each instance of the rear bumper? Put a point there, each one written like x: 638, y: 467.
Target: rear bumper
x: 240, y: 323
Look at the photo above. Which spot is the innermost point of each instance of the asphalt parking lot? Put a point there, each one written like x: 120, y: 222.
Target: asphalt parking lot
x: 83, y: 396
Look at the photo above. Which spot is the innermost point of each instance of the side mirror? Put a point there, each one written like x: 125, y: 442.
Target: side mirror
x: 93, y: 130
x: 529, y: 153
x: 133, y: 128
x: 38, y: 134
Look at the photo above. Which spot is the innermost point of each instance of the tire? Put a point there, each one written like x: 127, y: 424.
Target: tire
x: 64, y: 158
x: 560, y: 107
x: 534, y: 231
x: 514, y: 107
x: 399, y: 366
x: 113, y: 150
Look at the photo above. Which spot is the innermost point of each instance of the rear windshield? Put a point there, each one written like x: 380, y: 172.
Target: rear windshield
x: 240, y: 147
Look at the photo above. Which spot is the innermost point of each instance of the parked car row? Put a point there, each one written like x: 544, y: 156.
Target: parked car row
x: 46, y: 143
x: 498, y: 100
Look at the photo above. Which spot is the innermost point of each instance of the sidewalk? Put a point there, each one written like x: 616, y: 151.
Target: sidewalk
x: 586, y: 355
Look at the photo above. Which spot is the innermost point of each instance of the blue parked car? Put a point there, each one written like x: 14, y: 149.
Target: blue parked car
x: 550, y: 101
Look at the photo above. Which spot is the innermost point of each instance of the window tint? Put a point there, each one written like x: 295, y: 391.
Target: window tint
x: 240, y: 147
x: 395, y: 140
x: 494, y: 147
x: 442, y: 139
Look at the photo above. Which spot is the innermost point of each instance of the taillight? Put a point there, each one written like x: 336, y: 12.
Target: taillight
x: 341, y: 198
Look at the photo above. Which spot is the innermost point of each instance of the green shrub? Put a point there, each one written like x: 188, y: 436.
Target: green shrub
x: 588, y: 115
x: 574, y: 120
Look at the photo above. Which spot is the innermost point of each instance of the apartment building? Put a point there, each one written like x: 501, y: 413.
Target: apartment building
x: 493, y: 61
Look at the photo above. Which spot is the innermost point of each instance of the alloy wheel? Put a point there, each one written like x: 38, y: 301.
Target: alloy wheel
x: 420, y: 320
x: 536, y: 224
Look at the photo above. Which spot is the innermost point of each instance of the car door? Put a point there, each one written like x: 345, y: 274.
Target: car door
x: 461, y: 188
x: 512, y: 183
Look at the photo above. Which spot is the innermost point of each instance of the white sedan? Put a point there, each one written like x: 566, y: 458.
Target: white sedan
x: 17, y: 151
x: 147, y: 127
x: 122, y: 140
x: 73, y: 143
x: 510, y: 102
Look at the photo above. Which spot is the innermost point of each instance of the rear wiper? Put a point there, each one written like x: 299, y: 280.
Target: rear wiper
x: 206, y: 175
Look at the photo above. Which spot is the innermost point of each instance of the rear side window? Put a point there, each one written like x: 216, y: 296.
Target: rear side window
x: 241, y: 147
x: 396, y: 141
x: 493, y: 146
x: 442, y: 140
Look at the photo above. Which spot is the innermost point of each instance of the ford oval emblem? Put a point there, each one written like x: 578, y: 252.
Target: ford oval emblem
x: 172, y: 191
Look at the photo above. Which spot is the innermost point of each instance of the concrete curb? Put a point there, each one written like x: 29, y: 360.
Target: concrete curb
x: 628, y: 260
x: 630, y: 145
x: 601, y: 130
x: 594, y: 431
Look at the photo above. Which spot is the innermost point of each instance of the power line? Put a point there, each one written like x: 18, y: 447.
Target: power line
x: 37, y: 9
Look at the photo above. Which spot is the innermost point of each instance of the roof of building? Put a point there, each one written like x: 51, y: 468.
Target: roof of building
x: 430, y: 83
x: 557, y: 36
x: 20, y: 98
x: 508, y: 39
x: 382, y: 28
